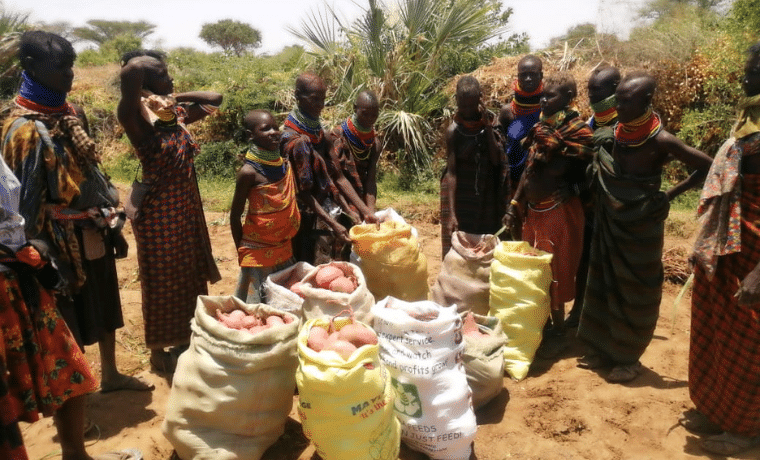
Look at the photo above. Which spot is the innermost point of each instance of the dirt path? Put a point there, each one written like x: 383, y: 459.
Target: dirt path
x: 558, y: 412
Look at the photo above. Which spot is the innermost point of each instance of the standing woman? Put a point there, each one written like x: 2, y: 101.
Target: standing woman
x: 173, y: 247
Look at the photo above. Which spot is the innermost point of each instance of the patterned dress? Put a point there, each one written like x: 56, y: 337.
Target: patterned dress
x: 724, y: 356
x: 59, y: 186
x: 173, y: 246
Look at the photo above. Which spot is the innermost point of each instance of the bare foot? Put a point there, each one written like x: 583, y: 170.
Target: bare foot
x: 728, y: 444
x: 623, y: 373
x: 125, y: 382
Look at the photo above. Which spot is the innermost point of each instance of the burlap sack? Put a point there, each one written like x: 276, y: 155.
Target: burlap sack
x: 232, y: 390
x: 464, y: 277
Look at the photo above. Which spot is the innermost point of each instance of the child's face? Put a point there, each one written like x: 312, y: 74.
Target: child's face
x: 266, y: 133
x: 529, y: 75
x: 553, y: 100
x: 631, y: 101
x: 366, y: 113
x: 468, y: 106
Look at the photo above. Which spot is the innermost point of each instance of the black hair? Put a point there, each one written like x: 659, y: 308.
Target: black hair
x: 468, y: 86
x: 565, y: 81
x: 754, y: 50
x: 129, y: 55
x: 38, y: 44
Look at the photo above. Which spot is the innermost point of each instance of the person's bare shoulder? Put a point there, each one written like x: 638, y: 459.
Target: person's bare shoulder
x: 248, y: 177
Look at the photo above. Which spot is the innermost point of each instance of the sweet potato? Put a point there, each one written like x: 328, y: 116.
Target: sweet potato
x: 358, y: 335
x: 275, y: 320
x: 343, y: 348
x: 317, y: 338
x: 342, y: 284
x: 296, y: 288
x: 326, y: 275
x: 470, y: 327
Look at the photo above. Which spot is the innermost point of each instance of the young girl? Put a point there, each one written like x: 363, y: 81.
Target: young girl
x: 266, y: 181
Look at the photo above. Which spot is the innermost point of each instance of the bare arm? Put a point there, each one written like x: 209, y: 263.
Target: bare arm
x: 451, y: 178
x: 197, y: 98
x: 340, y: 231
x: 371, y: 185
x: 515, y: 210
x: 128, y: 111
x: 247, y: 178
x: 689, y: 156
x: 347, y: 191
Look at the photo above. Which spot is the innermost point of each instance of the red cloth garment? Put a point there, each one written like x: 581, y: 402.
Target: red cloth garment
x: 724, y: 355
x: 558, y: 229
x: 45, y: 364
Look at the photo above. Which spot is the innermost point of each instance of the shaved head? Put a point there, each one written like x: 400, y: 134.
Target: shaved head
x: 255, y: 116
x: 603, y: 82
x: 308, y: 82
x: 642, y: 83
x: 366, y: 98
x: 530, y: 60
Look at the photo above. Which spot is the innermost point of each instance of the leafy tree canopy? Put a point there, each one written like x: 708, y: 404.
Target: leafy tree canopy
x: 100, y: 31
x: 234, y: 37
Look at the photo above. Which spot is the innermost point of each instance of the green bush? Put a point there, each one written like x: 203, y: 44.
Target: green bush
x: 219, y: 160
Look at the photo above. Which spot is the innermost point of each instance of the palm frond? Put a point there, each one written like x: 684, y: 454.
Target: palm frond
x: 321, y: 29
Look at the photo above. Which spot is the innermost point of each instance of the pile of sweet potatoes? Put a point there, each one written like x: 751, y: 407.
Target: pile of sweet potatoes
x: 343, y: 341
x: 334, y: 277
x: 241, y: 320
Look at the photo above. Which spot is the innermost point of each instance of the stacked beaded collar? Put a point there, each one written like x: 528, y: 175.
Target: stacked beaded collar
x: 605, y: 111
x: 524, y: 104
x: 638, y: 131
x: 33, y: 96
x: 304, y: 124
x: 474, y: 126
x: 268, y: 163
x: 360, y: 139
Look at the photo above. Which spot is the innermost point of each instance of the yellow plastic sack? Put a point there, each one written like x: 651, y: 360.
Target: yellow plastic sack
x: 346, y: 406
x: 391, y: 260
x: 520, y: 281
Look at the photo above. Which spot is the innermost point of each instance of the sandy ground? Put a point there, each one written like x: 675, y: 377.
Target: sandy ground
x: 558, y: 412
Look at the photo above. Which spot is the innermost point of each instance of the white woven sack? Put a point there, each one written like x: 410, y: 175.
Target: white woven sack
x: 279, y: 296
x: 323, y: 303
x: 216, y: 409
x: 424, y: 357
x: 484, y: 360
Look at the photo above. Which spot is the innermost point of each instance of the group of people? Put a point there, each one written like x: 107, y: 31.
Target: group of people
x: 60, y: 229
x: 588, y: 191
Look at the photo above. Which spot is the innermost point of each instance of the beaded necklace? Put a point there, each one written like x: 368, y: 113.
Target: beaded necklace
x: 269, y: 163
x: 304, y: 124
x: 360, y: 139
x: 524, y: 103
x: 638, y: 131
x: 468, y: 128
x: 556, y: 119
x: 605, y: 111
